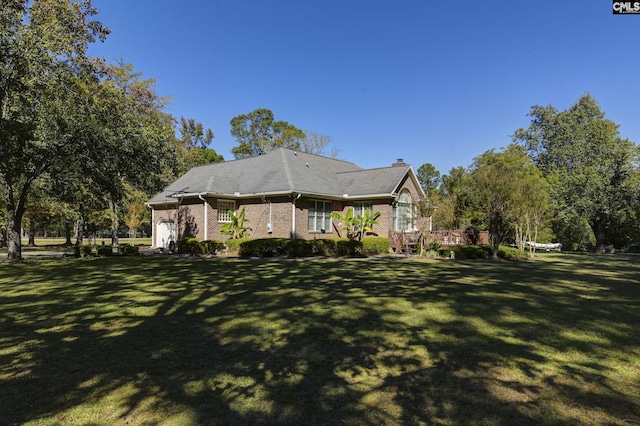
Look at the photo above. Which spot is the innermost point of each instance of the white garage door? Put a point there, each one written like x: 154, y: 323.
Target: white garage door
x: 165, y: 233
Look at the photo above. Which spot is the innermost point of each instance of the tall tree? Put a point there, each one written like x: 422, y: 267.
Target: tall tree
x: 456, y: 193
x: 499, y: 180
x: 590, y: 165
x: 258, y: 132
x: 429, y: 177
x: 193, y: 147
x: 66, y: 113
x: 44, y: 70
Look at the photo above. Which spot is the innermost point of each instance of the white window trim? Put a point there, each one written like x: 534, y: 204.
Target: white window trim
x: 402, y: 204
x: 223, y: 216
x: 359, y: 207
x: 315, y: 221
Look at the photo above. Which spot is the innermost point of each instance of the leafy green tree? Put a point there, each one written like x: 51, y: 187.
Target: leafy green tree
x: 63, y: 112
x: 590, y: 165
x: 44, y: 75
x: 193, y: 147
x: 498, y: 180
x: 530, y: 202
x: 454, y: 204
x: 258, y: 132
x: 429, y: 177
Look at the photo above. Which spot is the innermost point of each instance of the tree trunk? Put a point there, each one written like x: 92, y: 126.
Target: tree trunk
x: 114, y: 222
x: 80, y: 231
x: 600, y: 230
x: 32, y: 234
x: 67, y: 233
x: 14, y: 243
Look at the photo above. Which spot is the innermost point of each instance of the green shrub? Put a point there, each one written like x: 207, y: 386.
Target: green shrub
x: 189, y: 245
x: 468, y: 252
x: 294, y: 248
x: 299, y: 248
x: 264, y: 247
x: 105, y: 250
x: 233, y: 245
x: 76, y: 251
x: 483, y: 252
x: 434, y: 245
x: 349, y: 248
x: 373, y: 246
x: 511, y: 253
x: 324, y: 246
x: 86, y: 250
x: 211, y: 247
x: 128, y: 250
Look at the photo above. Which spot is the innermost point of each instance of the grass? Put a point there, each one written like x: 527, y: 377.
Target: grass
x: 58, y: 244
x: 150, y: 340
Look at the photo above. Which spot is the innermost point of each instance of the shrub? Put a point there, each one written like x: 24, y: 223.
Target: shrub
x: 86, y: 250
x: 128, y: 250
x: 350, y: 248
x: 188, y: 245
x: 373, y: 246
x: 484, y: 252
x: 264, y: 247
x: 468, y: 252
x: 76, y: 251
x: 105, y: 250
x: 284, y: 247
x: 324, y: 246
x: 233, y: 245
x: 299, y: 248
x: 511, y: 253
x: 211, y: 247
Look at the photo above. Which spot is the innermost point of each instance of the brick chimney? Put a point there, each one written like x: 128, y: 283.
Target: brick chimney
x: 399, y: 162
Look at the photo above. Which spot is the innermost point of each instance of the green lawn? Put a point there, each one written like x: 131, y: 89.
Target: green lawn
x: 150, y: 340
x: 57, y: 244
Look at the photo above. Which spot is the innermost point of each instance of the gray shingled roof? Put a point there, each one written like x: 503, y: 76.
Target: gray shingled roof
x: 284, y: 171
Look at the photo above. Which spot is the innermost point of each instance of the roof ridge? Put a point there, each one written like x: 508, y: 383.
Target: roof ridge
x: 287, y: 172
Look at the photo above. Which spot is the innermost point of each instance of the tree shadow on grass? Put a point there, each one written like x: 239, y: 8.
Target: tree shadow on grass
x: 315, y: 342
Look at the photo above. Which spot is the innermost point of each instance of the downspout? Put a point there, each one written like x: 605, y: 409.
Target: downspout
x: 293, y: 217
x: 206, y: 216
x: 153, y: 227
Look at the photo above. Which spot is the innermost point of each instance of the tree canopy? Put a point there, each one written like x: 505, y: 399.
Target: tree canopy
x: 67, y: 116
x: 258, y: 132
x: 591, y: 167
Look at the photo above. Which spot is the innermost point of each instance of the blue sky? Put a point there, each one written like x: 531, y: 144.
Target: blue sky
x: 428, y: 81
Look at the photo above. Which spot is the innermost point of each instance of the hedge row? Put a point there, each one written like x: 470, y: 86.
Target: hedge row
x: 194, y: 246
x: 284, y: 247
x: 106, y: 250
x: 483, y: 252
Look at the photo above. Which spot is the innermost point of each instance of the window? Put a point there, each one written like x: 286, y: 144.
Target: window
x: 320, y: 216
x: 359, y: 207
x: 404, y: 213
x: 223, y: 210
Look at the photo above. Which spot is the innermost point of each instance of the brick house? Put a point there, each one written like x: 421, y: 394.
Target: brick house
x: 285, y: 194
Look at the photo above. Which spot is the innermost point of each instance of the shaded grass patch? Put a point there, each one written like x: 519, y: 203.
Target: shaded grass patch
x: 362, y: 341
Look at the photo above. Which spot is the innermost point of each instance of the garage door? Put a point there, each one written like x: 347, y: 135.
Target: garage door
x: 165, y: 233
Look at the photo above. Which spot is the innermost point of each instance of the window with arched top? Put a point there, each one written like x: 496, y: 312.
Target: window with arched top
x: 404, y: 213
